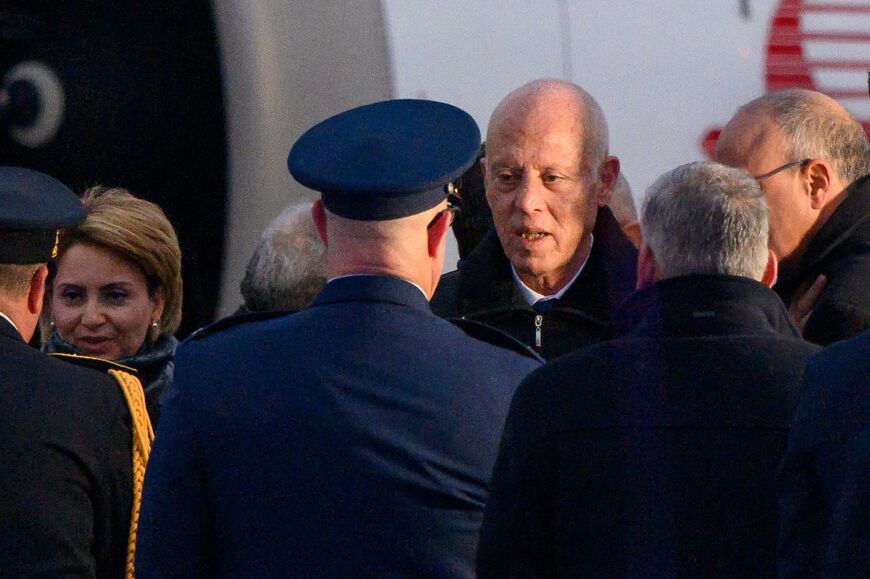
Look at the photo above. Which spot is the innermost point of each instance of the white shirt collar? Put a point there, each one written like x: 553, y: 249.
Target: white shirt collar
x: 532, y: 297
x: 376, y: 275
x: 8, y: 319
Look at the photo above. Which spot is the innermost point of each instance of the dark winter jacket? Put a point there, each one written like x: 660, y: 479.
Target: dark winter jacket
x: 483, y: 289
x: 841, y: 251
x: 653, y: 454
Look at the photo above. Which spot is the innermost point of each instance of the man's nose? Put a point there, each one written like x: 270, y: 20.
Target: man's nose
x: 528, y: 195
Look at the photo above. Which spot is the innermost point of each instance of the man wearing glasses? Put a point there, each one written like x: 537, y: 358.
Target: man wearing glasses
x: 811, y: 158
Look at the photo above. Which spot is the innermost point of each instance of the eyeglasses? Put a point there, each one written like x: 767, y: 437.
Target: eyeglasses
x: 802, y: 164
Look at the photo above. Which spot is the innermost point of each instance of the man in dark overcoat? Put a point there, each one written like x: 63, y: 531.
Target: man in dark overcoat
x: 557, y: 264
x: 824, y: 488
x: 65, y: 444
x: 355, y: 438
x: 654, y: 454
x: 811, y: 157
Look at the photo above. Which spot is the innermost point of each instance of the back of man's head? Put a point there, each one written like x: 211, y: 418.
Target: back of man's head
x: 15, y: 279
x: 383, y: 208
x: 706, y: 218
x: 817, y: 127
x: 288, y: 266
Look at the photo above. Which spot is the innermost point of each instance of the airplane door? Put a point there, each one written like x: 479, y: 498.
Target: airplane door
x: 125, y: 93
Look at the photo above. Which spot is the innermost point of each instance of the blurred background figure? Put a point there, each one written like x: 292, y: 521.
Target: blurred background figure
x: 474, y: 219
x: 288, y: 267
x: 622, y: 206
x: 115, y: 290
x: 65, y: 481
x: 824, y: 489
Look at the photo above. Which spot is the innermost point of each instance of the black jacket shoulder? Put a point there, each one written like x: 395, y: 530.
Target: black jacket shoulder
x: 235, y: 320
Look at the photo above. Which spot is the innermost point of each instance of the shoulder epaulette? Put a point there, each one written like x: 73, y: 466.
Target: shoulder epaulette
x: 93, y: 363
x: 235, y: 320
x: 494, y: 337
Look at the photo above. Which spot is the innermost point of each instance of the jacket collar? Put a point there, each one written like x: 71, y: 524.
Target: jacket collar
x: 703, y: 305
x: 489, y: 288
x: 852, y: 215
x: 8, y: 330
x: 372, y: 288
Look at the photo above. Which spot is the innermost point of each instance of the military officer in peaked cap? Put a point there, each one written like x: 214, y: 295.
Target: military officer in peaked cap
x: 355, y: 438
x: 65, y: 459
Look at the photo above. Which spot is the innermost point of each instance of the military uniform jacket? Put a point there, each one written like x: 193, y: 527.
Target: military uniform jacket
x: 825, y: 477
x: 483, y: 289
x: 65, y: 467
x: 653, y: 454
x: 841, y: 251
x: 352, y: 439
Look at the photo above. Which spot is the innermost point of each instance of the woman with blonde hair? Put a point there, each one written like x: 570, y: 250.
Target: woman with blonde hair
x: 115, y: 289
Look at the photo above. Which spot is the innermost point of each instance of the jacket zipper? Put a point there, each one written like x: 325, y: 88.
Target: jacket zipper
x: 539, y: 319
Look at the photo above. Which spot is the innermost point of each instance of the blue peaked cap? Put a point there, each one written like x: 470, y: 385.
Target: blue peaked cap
x: 386, y: 160
x: 33, y: 208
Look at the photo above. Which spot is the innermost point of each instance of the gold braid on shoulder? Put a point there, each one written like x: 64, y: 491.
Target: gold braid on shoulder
x: 143, y: 436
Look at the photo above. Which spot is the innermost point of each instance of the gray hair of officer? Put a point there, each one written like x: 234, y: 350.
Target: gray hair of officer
x: 706, y: 218
x: 288, y: 267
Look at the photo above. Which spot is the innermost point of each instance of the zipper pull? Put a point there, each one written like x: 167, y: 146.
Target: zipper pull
x: 539, y: 319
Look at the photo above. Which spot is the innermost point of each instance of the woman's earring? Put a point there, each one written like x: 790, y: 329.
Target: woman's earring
x: 51, y: 324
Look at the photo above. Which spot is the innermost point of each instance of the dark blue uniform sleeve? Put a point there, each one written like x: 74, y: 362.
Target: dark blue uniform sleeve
x: 174, y: 530
x: 802, y: 520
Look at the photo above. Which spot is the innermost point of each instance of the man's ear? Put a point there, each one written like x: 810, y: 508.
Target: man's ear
x: 647, y: 268
x: 37, y: 290
x: 607, y: 176
x: 437, y: 234
x: 768, y: 278
x: 318, y: 214
x: 819, y: 176
x: 483, y: 168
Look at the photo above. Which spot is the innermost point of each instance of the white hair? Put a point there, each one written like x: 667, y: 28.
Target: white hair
x: 288, y: 267
x: 706, y: 218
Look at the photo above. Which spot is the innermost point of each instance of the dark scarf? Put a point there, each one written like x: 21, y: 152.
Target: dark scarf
x: 154, y: 365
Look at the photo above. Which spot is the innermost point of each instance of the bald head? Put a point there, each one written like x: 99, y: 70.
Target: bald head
x: 813, y: 126
x: 547, y: 173
x: 551, y: 97
x: 410, y: 248
x: 806, y: 149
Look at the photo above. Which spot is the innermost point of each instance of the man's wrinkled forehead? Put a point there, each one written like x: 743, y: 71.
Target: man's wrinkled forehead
x: 534, y: 135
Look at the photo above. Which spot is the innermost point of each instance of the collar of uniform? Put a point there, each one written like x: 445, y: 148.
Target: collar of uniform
x: 374, y: 288
x: 11, y: 323
x: 702, y: 305
x: 532, y: 297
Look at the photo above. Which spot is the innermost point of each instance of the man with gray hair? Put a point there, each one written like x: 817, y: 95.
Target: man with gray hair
x: 655, y: 454
x: 288, y: 266
x: 811, y: 158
